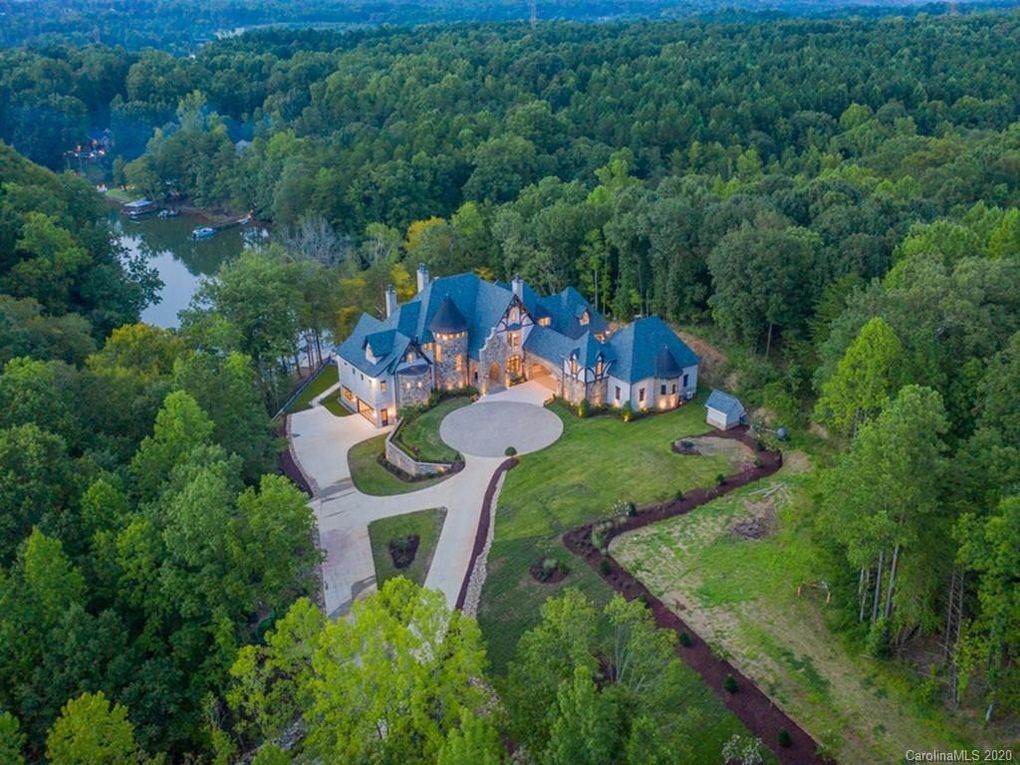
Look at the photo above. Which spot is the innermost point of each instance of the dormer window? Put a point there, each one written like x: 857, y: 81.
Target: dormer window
x: 598, y: 367
x: 573, y: 365
x: 584, y: 318
x: 515, y: 315
x: 545, y: 321
x: 410, y: 357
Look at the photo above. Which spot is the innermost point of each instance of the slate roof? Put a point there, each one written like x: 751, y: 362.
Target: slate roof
x: 725, y: 403
x: 448, y: 318
x: 636, y: 349
x: 387, y: 346
x: 455, y: 303
x: 565, y: 309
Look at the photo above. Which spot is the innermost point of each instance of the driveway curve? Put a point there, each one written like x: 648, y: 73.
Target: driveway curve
x: 488, y: 428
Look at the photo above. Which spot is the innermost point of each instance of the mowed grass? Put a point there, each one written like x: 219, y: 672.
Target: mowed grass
x: 741, y: 596
x: 372, y: 478
x: 328, y: 377
x: 426, y: 524
x: 596, y: 462
x: 419, y: 436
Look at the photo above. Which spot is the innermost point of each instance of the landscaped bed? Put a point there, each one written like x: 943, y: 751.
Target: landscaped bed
x: 597, y: 462
x: 418, y: 435
x: 403, y: 545
x: 370, y: 476
x: 739, y: 591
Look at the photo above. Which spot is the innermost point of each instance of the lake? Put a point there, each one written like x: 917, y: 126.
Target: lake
x: 180, y: 260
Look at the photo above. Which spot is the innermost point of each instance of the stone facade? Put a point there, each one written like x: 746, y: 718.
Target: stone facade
x: 575, y: 389
x: 497, y: 351
x: 449, y: 372
x: 404, y: 462
x: 413, y: 387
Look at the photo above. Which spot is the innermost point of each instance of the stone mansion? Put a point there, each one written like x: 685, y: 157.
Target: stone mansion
x: 460, y: 331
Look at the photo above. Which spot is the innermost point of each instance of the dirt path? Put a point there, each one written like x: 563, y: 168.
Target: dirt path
x: 756, y: 710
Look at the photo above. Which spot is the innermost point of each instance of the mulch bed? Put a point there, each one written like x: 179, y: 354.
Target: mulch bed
x: 482, y: 532
x: 403, y: 550
x: 752, y: 707
x: 542, y: 576
x: 287, y: 465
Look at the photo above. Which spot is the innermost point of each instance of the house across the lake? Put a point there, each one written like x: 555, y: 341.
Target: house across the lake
x: 460, y: 331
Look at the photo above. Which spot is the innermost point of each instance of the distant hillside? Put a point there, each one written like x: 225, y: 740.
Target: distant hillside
x: 184, y: 25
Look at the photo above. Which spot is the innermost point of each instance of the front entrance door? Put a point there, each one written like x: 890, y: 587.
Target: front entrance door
x: 495, y: 374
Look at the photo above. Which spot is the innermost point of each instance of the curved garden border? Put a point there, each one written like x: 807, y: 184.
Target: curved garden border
x: 756, y: 710
x: 482, y: 532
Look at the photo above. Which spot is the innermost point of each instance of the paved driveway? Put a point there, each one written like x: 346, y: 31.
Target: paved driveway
x: 320, y: 442
x: 488, y: 428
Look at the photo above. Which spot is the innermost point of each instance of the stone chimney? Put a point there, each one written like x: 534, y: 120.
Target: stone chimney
x: 423, y: 276
x: 391, y: 300
x: 518, y: 287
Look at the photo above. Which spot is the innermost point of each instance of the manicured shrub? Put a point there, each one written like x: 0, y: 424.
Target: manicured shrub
x: 604, y: 567
x: 783, y: 737
x: 631, y: 509
x: 584, y: 408
x: 685, y: 639
x: 720, y: 479
x: 626, y: 413
x: 510, y: 451
x: 679, y: 495
x: 730, y: 684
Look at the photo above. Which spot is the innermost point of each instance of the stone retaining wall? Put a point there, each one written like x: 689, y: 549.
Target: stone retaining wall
x: 406, y: 463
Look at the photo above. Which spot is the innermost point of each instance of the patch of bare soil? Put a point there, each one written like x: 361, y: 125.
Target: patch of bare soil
x: 736, y: 451
x: 713, y: 361
x: 759, y: 517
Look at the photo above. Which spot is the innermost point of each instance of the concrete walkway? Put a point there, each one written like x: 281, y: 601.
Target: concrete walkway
x: 320, y: 443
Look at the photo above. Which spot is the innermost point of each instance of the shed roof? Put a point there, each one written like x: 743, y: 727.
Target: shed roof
x: 725, y: 403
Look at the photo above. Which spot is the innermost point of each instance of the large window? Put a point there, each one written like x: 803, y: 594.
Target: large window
x: 641, y: 395
x: 514, y: 366
x: 439, y: 352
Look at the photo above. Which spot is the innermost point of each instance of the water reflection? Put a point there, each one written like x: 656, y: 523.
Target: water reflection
x: 180, y: 260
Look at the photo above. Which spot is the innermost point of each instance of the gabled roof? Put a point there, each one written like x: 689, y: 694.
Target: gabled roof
x: 386, y: 345
x: 448, y: 318
x: 637, y: 347
x: 566, y: 309
x: 725, y: 403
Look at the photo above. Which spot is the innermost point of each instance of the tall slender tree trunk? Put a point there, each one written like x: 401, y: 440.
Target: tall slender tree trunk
x: 892, y: 582
x: 862, y: 584
x: 768, y: 342
x: 878, y: 587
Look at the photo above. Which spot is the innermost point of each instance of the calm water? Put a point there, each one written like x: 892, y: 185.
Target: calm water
x: 180, y: 260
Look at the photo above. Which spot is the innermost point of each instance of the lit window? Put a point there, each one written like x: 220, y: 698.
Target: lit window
x: 459, y: 362
x: 515, y: 315
x: 573, y: 366
x: 410, y: 357
x: 598, y: 367
x: 439, y: 352
x: 545, y: 321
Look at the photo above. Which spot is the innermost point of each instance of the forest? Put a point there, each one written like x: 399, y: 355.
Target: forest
x: 835, y: 201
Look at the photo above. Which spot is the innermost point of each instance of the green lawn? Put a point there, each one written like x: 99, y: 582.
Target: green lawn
x: 328, y: 377
x: 372, y: 478
x: 419, y: 436
x: 741, y: 596
x: 425, y: 523
x: 334, y: 407
x: 596, y: 462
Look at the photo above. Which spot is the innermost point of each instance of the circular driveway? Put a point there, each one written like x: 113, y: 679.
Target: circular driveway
x: 487, y: 428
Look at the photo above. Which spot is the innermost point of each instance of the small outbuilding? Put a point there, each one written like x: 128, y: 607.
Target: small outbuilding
x: 724, y: 411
